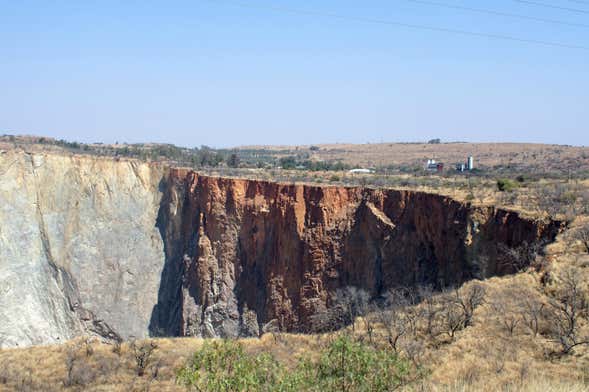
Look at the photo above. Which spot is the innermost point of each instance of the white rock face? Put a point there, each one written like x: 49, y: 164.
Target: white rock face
x: 79, y: 248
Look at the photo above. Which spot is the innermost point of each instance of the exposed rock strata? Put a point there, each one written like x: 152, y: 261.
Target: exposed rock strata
x: 123, y: 249
x: 279, y: 250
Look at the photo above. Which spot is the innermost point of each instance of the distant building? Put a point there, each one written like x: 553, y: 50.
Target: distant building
x: 361, y: 171
x: 468, y: 165
x: 433, y: 166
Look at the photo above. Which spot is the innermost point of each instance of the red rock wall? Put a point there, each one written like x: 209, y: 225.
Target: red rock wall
x: 280, y: 250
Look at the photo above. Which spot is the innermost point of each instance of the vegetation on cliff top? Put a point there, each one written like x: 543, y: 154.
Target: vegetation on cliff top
x: 536, y: 179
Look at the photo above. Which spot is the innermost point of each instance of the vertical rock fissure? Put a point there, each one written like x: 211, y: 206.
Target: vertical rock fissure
x: 166, y: 315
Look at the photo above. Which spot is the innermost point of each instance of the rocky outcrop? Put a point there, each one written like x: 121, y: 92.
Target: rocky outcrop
x: 279, y: 251
x: 79, y: 249
x: 124, y: 249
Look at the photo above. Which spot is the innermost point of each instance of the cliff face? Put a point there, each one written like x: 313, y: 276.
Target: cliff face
x: 123, y: 249
x: 276, y: 252
x: 79, y: 250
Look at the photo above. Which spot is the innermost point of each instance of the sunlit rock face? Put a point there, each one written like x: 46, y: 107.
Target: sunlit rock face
x: 79, y: 249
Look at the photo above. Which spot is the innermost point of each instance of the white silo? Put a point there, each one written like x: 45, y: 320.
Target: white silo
x: 470, y: 164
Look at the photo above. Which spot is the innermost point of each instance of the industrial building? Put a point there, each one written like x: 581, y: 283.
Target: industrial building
x: 361, y: 171
x: 433, y: 166
x: 466, y: 166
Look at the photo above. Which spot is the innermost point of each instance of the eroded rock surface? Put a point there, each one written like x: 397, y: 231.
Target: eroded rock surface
x: 125, y: 249
x: 280, y: 250
x: 79, y: 249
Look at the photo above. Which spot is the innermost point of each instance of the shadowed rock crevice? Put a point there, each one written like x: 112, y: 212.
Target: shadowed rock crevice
x: 166, y: 318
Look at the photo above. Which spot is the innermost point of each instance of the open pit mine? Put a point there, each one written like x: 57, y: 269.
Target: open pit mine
x: 123, y: 249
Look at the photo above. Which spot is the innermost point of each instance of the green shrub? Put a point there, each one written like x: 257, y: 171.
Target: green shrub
x: 287, y: 162
x: 233, y: 160
x: 347, y: 365
x: 344, y: 365
x: 506, y: 185
x: 225, y: 366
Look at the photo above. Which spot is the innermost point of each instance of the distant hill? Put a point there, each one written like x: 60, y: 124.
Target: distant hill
x: 386, y: 158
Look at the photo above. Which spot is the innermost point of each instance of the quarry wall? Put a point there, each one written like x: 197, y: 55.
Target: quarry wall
x: 124, y: 249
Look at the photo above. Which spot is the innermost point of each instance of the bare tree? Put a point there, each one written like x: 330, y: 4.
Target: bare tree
x: 429, y: 310
x: 508, y: 307
x: 458, y: 308
x: 515, y: 259
x: 468, y: 300
x: 412, y: 313
x: 532, y: 313
x: 510, y: 322
x: 453, y: 319
x: 395, y: 325
x: 400, y: 297
x: 582, y: 235
x: 394, y: 317
x: 79, y: 371
x: 507, y: 313
x: 346, y: 304
x: 71, y: 357
x: 568, y: 307
x: 142, y: 353
x: 327, y: 320
x: 414, y: 349
x: 352, y: 302
x: 370, y: 319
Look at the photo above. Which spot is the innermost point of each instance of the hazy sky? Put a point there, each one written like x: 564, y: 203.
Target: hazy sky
x: 216, y: 73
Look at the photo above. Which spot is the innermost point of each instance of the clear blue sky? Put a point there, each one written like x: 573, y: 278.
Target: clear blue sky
x: 209, y: 72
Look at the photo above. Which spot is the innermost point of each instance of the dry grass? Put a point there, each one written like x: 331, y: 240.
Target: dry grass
x: 541, y: 156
